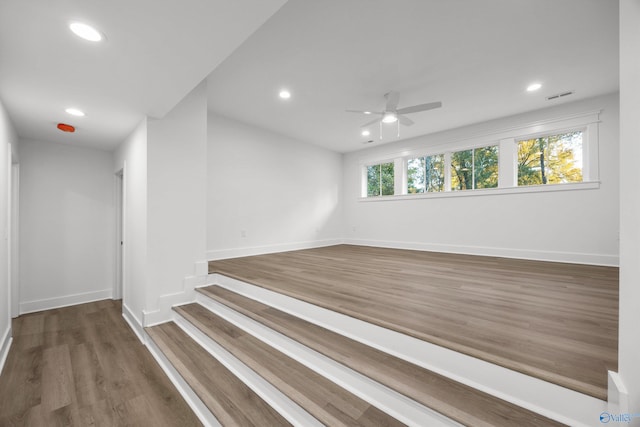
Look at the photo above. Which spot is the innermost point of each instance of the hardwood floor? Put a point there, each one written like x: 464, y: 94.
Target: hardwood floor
x: 230, y: 400
x: 83, y: 366
x: 454, y: 400
x: 331, y: 404
x: 555, y: 321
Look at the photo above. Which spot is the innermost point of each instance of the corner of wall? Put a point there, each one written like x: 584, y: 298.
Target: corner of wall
x: 5, y: 345
x: 187, y: 295
x: 618, y: 397
x: 134, y: 323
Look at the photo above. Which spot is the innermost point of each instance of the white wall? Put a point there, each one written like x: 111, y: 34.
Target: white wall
x: 268, y: 193
x: 7, y: 137
x: 66, y: 225
x: 629, y: 338
x: 176, y: 180
x: 579, y: 225
x: 131, y: 158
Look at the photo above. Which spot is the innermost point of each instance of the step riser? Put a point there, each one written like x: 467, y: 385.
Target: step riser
x: 550, y: 400
x: 389, y: 401
x: 197, y: 406
x: 281, y: 403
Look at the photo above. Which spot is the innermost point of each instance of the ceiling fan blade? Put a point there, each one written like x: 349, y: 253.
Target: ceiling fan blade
x: 405, y: 120
x: 370, y: 123
x: 420, y: 107
x: 392, y: 100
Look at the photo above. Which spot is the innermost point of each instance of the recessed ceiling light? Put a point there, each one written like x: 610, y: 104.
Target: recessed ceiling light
x: 284, y: 94
x: 366, y: 133
x: 533, y: 87
x: 367, y: 112
x: 75, y: 112
x: 85, y: 31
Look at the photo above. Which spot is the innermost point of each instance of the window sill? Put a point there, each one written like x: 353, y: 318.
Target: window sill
x: 592, y: 185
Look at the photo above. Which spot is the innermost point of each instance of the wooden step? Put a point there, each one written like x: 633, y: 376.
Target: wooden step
x: 328, y: 402
x: 450, y: 398
x: 231, y: 401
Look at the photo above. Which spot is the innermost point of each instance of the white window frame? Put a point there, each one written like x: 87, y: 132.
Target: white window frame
x: 364, y: 176
x: 507, y: 141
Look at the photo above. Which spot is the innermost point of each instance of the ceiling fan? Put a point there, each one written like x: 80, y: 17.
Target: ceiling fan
x: 393, y: 114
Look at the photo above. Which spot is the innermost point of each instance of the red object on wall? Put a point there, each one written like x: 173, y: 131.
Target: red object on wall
x: 66, y: 128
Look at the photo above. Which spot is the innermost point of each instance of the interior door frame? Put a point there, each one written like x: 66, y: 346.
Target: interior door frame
x: 118, y: 283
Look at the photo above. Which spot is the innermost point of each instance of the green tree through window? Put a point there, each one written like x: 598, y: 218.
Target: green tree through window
x: 425, y: 174
x: 552, y: 159
x: 475, y: 168
x: 380, y: 180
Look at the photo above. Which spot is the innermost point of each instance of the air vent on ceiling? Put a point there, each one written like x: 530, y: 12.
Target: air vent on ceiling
x: 559, y: 95
x: 368, y: 142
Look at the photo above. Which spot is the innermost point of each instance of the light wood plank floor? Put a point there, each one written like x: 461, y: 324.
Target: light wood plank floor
x: 83, y: 366
x: 558, y: 322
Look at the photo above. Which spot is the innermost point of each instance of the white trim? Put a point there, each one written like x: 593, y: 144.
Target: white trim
x: 166, y: 302
x: 548, y: 188
x: 290, y: 410
x: 201, y: 268
x: 5, y: 346
x: 134, y: 322
x: 187, y: 295
x: 197, y: 406
x: 64, y: 301
x: 617, y: 393
x: 395, y: 404
x: 551, y: 400
x: 119, y: 237
x: 14, y: 248
x: 217, y: 254
x: 527, y: 254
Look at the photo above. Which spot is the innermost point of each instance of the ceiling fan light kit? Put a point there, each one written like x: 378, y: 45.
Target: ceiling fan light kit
x: 392, y: 114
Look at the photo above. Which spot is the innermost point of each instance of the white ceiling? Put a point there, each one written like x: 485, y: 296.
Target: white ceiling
x: 156, y: 52
x: 476, y: 56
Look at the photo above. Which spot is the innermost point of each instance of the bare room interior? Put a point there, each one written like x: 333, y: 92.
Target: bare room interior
x: 288, y: 212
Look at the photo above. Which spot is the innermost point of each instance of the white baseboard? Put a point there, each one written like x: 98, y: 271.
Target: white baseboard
x: 162, y: 312
x: 5, y: 345
x: 64, y: 301
x: 201, y: 268
x: 166, y: 302
x: 218, y: 254
x: 134, y: 323
x: 529, y: 254
x: 551, y: 400
x: 618, y: 394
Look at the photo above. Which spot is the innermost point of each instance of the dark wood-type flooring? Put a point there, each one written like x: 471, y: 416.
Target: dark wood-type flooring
x: 331, y: 404
x: 230, y: 400
x: 83, y: 366
x: 554, y: 321
x: 457, y: 401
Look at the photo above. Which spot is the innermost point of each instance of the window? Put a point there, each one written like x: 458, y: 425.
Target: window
x: 552, y: 159
x: 380, y: 180
x: 474, y: 168
x: 523, y: 159
x: 425, y: 174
